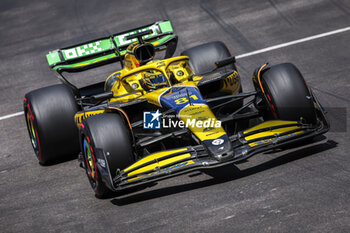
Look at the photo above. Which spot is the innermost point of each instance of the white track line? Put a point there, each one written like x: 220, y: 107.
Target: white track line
x: 267, y: 49
x: 293, y: 42
x: 11, y: 115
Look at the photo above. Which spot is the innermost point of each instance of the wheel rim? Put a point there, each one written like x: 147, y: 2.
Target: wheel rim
x: 32, y: 132
x: 89, y: 160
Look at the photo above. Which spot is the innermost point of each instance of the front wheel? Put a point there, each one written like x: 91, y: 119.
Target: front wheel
x: 285, y: 94
x: 108, y: 132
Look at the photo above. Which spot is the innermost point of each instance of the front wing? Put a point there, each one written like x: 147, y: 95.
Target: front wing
x: 162, y: 165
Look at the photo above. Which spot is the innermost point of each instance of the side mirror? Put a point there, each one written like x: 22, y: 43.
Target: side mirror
x: 225, y: 62
x: 101, y: 97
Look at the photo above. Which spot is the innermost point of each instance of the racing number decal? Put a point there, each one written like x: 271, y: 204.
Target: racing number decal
x: 185, y: 100
x: 181, y: 101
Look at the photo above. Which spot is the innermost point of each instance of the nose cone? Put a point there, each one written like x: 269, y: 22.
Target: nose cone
x: 220, y: 148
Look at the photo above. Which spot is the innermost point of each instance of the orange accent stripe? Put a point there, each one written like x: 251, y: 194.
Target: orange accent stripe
x: 124, y: 113
x: 259, y: 77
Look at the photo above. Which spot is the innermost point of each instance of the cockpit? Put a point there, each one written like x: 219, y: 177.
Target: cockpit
x: 152, y: 76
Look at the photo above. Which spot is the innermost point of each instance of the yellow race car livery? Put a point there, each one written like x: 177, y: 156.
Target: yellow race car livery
x: 158, y: 117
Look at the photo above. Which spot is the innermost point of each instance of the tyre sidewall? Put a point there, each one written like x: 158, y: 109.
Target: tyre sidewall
x: 108, y: 132
x: 53, y: 109
x: 288, y: 94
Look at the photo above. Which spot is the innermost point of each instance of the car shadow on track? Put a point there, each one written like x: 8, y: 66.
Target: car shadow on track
x: 224, y: 174
x: 60, y: 160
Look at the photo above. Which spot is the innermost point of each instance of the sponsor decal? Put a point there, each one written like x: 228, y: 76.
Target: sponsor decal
x: 217, y: 142
x: 102, y: 162
x: 180, y: 73
x: 164, y: 170
x: 79, y: 117
x: 271, y: 140
x: 83, y: 50
x: 232, y: 79
x: 171, y: 168
x: 122, y: 41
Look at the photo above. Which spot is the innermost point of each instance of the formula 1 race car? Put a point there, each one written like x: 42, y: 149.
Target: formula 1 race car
x: 157, y: 118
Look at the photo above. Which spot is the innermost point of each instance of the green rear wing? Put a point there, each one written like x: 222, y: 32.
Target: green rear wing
x: 110, y: 49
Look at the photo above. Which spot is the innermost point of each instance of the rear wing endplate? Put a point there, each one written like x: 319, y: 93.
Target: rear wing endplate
x: 111, y: 48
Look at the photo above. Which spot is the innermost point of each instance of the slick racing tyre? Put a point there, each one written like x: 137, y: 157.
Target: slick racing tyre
x: 108, y: 132
x: 203, y: 57
x: 286, y: 94
x: 49, y: 114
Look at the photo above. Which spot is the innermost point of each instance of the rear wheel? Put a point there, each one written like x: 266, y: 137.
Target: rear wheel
x: 108, y: 132
x: 286, y: 94
x: 203, y: 57
x: 49, y: 114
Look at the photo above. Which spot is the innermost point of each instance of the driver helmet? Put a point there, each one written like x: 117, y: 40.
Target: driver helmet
x: 154, y: 79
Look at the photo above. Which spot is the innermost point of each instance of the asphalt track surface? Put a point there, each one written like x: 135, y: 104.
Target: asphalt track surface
x: 303, y: 189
